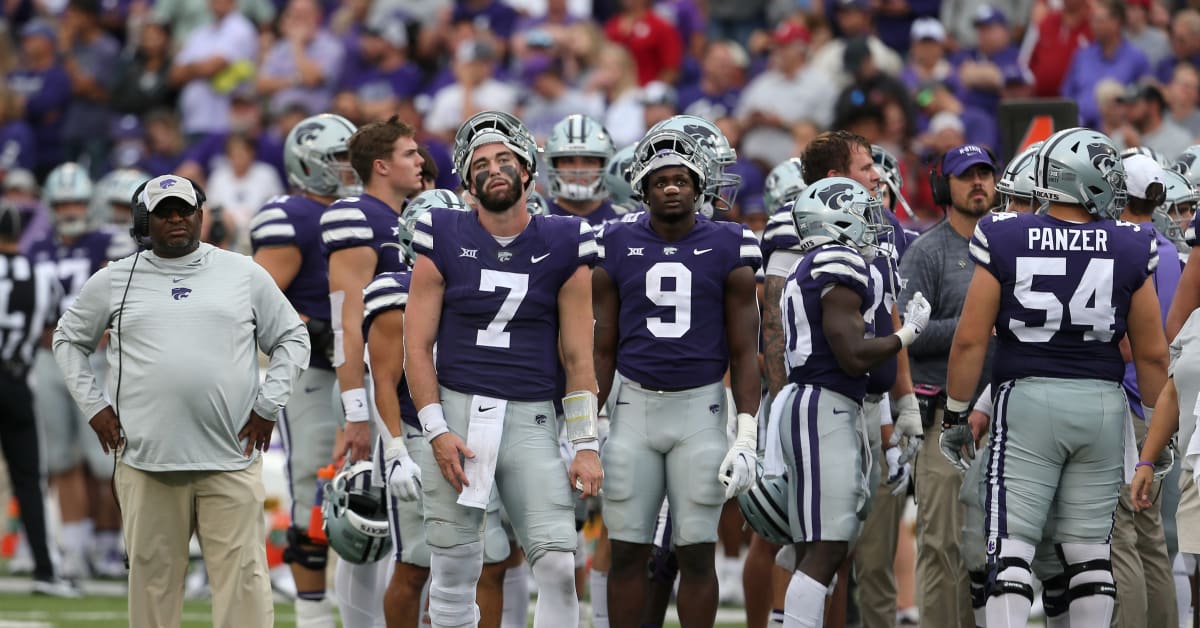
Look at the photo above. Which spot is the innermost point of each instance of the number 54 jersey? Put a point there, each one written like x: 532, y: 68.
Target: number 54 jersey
x: 672, y: 298
x: 1065, y: 290
x: 498, y: 334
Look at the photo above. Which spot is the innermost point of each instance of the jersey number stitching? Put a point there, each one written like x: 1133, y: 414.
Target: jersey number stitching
x: 1095, y: 288
x: 518, y: 286
x: 680, y: 299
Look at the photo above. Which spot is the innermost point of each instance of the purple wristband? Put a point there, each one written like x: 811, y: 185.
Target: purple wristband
x: 1143, y: 463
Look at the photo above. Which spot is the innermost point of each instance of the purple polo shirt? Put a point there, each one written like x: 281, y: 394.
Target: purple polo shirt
x: 1090, y: 66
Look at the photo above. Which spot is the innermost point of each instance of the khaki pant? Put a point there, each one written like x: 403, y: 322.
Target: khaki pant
x: 160, y: 510
x: 943, y: 593
x: 1141, y: 567
x: 875, y: 554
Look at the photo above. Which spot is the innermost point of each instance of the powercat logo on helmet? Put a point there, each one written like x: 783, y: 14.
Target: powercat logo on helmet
x: 836, y: 195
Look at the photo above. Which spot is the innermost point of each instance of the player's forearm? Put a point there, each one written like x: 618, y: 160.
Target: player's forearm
x: 1165, y: 423
x: 606, y: 367
x: 347, y: 328
x: 903, y: 384
x: 745, y: 380
x: 1187, y: 297
x: 387, y: 401
x: 1151, y: 373
x: 965, y: 367
x: 773, y: 336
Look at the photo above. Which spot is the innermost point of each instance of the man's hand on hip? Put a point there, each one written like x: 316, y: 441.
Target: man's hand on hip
x: 108, y: 429
x: 256, y: 433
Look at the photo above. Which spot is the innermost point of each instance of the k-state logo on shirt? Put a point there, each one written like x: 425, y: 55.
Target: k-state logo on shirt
x: 180, y: 293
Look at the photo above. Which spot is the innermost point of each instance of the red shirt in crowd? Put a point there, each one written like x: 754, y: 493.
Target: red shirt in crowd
x: 1052, y: 53
x: 653, y: 42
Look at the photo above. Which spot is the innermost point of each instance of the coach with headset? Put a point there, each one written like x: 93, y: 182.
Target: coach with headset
x: 188, y: 414
x: 938, y: 266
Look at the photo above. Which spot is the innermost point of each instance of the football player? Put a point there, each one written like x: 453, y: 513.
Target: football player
x: 827, y: 304
x: 358, y: 235
x: 506, y: 297
x: 1049, y: 287
x: 78, y: 468
x: 1014, y: 189
x: 578, y: 151
x: 674, y: 287
x: 285, y: 236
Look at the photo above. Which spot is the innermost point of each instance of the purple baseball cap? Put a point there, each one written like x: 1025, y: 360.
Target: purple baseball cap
x: 959, y: 160
x: 987, y: 14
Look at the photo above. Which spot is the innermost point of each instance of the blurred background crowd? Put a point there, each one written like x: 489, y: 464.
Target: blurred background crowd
x: 208, y: 88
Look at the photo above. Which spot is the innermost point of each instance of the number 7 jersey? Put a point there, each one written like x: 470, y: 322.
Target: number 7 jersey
x: 1065, y: 290
x: 498, y: 333
x: 672, y: 297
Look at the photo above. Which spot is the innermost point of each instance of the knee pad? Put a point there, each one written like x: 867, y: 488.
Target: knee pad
x: 979, y: 582
x: 1010, y: 569
x: 1055, y: 598
x: 454, y: 574
x: 304, y: 551
x: 1088, y: 569
x: 555, y: 571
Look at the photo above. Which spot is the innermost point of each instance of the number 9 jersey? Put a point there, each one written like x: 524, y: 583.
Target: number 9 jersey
x: 498, y: 335
x: 1065, y: 290
x: 673, y: 298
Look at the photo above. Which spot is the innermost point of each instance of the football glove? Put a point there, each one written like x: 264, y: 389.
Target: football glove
x: 403, y: 475
x: 899, y: 473
x: 739, y: 468
x: 957, y: 441
x: 908, y: 426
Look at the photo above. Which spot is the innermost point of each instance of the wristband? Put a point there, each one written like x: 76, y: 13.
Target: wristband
x: 954, y: 405
x: 587, y: 445
x: 955, y: 413
x: 433, y: 421
x: 354, y: 405
x: 906, y: 335
x: 1143, y: 463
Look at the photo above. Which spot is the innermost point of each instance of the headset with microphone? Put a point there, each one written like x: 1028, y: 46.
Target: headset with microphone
x: 939, y: 181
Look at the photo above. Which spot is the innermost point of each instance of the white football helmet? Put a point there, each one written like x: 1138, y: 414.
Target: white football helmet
x: 316, y: 156
x: 355, y: 515
x: 784, y: 183
x: 493, y: 127
x: 722, y: 186
x: 616, y: 178
x: 1017, y: 179
x: 67, y: 183
x: 838, y: 210
x: 1080, y: 166
x: 668, y: 147
x: 417, y: 207
x: 578, y: 135
x: 765, y: 507
x: 1188, y: 164
x: 1176, y: 211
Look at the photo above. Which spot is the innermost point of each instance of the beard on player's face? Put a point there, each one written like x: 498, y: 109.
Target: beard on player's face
x: 498, y: 199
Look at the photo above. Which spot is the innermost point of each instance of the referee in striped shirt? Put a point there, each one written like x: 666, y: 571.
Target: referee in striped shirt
x: 29, y: 295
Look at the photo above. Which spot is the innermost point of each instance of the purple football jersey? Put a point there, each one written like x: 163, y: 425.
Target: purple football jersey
x: 364, y: 221
x: 78, y: 261
x: 389, y: 291
x: 604, y: 213
x: 672, y: 297
x: 1064, y: 297
x: 296, y: 221
x: 807, y: 355
x: 498, y: 334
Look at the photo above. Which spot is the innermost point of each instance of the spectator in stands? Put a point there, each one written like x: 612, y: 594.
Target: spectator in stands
x: 43, y: 89
x: 1185, y: 43
x: 853, y: 19
x: 1149, y: 114
x: 1051, y: 45
x: 88, y: 55
x: 242, y: 184
x: 164, y: 142
x: 894, y: 20
x: 17, y: 148
x: 183, y: 17
x: 656, y: 46
x: 475, y: 90
x: 614, y: 79
x: 302, y: 67
x: 379, y: 77
x: 750, y: 191
x: 1183, y: 94
x: 1109, y: 55
x: 142, y: 84
x: 993, y: 70
x: 214, y: 60
x: 959, y: 18
x: 927, y: 55
x: 722, y: 78
x: 247, y: 118
x: 550, y: 98
x: 791, y: 91
x: 869, y: 87
x: 690, y: 22
x: 491, y: 20
x: 735, y: 20
x: 659, y: 102
x: 1149, y: 38
x: 129, y: 143
x: 1113, y: 102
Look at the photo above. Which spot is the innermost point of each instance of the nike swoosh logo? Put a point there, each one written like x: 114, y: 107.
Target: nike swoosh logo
x: 841, y: 411
x: 700, y: 251
x: 176, y: 279
x: 622, y: 403
x: 313, y: 389
x: 412, y: 436
x: 537, y: 258
x: 483, y: 409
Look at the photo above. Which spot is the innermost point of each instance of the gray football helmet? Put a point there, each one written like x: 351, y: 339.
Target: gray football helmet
x: 784, y: 183
x: 67, y: 183
x: 1188, y: 164
x: 1017, y: 179
x: 669, y: 147
x: 578, y: 135
x: 1080, y: 166
x: 536, y: 204
x: 355, y: 515
x: 417, y: 207
x: 113, y: 189
x: 316, y: 156
x: 838, y: 210
x: 1175, y: 213
x: 765, y: 507
x: 722, y: 186
x: 616, y: 178
x: 493, y: 127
